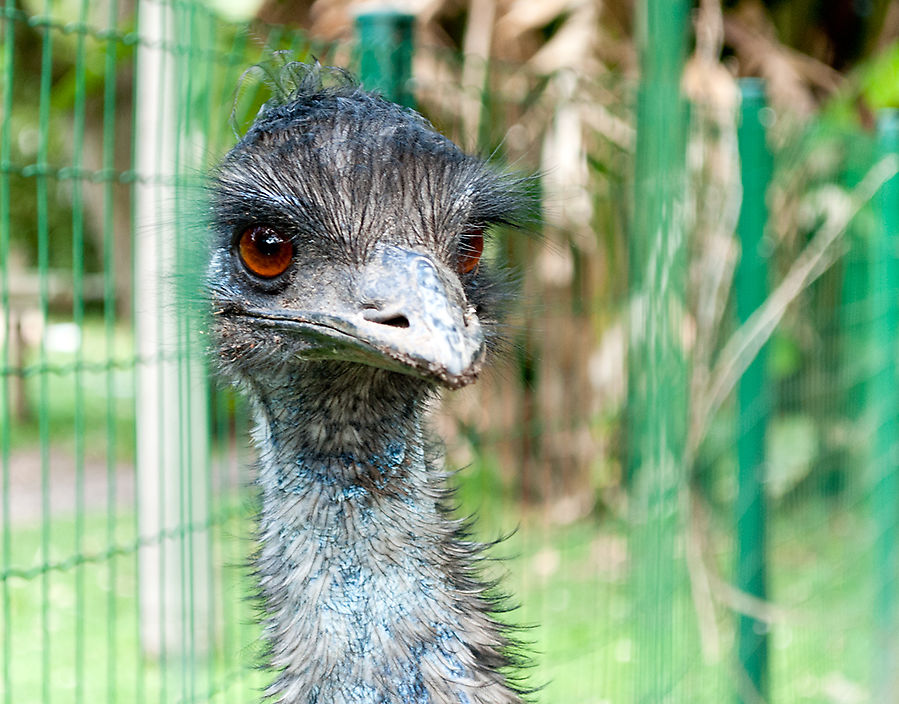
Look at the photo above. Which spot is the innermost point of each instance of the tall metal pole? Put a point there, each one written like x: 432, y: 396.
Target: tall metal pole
x: 885, y: 406
x: 384, y: 47
x: 657, y: 379
x: 172, y: 425
x: 855, y: 344
x: 753, y: 395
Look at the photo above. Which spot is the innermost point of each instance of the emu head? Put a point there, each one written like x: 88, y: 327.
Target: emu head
x: 347, y: 229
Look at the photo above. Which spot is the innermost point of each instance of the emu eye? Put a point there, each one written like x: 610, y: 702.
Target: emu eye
x: 471, y: 247
x: 265, y: 251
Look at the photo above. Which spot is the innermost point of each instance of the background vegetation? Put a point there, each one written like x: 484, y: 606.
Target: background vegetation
x: 546, y: 87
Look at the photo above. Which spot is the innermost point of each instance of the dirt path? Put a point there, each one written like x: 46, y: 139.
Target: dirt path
x: 26, y: 498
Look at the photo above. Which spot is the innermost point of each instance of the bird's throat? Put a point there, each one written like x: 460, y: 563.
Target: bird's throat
x: 367, y: 587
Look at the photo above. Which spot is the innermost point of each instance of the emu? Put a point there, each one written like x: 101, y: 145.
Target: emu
x: 347, y: 287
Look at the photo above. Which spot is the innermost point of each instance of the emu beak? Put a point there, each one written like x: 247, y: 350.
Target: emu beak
x: 404, y: 312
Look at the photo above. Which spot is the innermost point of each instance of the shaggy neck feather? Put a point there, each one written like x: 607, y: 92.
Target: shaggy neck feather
x: 369, y: 592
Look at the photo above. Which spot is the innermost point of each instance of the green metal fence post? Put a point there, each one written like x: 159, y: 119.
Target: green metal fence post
x: 885, y: 405
x: 657, y: 379
x: 855, y: 343
x: 753, y: 393
x: 384, y: 49
x: 6, y: 331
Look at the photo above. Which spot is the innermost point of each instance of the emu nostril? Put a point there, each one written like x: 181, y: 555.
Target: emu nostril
x: 386, y: 317
x: 397, y: 321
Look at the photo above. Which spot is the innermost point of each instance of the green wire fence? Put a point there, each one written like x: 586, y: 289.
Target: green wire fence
x: 693, y: 430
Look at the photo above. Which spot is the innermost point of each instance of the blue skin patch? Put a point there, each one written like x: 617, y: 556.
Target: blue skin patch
x: 410, y: 684
x: 444, y: 634
x: 308, y: 469
x: 353, y: 491
x: 366, y: 694
x: 352, y: 582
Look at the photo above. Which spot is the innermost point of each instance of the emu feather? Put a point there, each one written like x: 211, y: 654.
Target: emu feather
x: 347, y: 290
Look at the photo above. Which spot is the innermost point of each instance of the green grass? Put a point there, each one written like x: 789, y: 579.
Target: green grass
x: 101, y: 597
x: 92, y: 608
x: 107, y: 383
x: 572, y: 583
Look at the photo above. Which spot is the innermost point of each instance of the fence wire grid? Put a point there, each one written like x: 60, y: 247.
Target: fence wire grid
x: 756, y: 563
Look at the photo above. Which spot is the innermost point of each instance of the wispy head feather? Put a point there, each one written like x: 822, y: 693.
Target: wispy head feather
x: 289, y: 80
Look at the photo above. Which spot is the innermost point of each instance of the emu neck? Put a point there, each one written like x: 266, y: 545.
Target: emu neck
x: 368, y: 592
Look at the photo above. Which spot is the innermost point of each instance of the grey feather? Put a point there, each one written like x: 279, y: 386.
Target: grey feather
x: 368, y: 585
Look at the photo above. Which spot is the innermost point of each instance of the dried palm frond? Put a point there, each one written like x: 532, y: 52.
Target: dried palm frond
x: 794, y: 79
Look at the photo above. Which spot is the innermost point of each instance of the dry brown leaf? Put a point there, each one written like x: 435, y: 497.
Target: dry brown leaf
x: 526, y: 15
x: 572, y: 46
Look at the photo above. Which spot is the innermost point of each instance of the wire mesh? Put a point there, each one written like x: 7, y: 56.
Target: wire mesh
x: 126, y: 522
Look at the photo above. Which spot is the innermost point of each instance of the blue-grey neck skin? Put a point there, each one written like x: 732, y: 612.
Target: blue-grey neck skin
x: 368, y: 590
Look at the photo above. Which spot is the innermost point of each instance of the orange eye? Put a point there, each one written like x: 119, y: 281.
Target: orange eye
x: 471, y: 247
x: 265, y: 251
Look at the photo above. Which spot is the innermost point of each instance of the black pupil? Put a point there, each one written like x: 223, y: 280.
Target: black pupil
x: 268, y: 242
